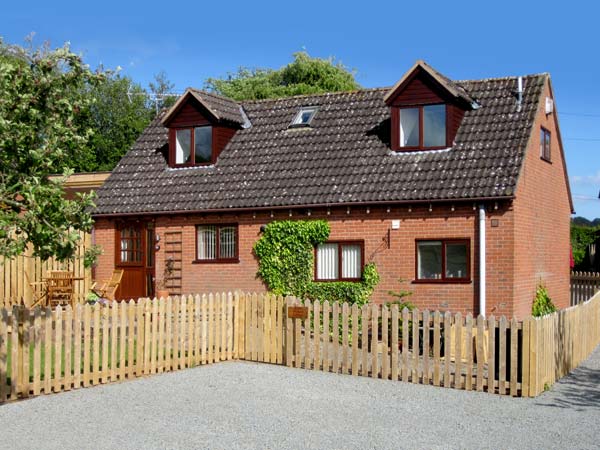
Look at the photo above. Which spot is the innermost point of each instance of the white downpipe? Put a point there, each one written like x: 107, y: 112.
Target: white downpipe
x: 482, y: 259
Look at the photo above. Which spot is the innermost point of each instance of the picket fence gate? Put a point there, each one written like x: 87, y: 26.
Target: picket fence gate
x: 44, y: 350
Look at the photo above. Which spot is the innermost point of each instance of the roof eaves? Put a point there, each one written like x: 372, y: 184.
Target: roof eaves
x: 445, y: 82
x: 179, y: 103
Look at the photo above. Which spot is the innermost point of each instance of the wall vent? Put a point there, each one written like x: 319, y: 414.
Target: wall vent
x: 549, y: 105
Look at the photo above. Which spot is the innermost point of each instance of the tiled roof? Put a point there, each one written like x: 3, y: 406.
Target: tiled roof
x: 221, y: 108
x: 343, y: 158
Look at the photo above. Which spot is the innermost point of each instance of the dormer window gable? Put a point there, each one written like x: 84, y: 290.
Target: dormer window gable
x: 200, y: 126
x: 426, y: 110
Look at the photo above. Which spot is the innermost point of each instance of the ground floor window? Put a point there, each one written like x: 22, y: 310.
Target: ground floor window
x: 443, y: 260
x: 339, y: 261
x: 216, y: 243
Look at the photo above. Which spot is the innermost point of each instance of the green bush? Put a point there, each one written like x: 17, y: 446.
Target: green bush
x: 542, y: 305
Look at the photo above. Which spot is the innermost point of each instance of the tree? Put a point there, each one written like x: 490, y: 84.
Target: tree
x: 118, y: 113
x: 42, y: 94
x: 304, y: 75
x: 162, y: 90
x: 581, y: 238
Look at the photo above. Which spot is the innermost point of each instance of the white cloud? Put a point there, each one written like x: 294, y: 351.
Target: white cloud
x: 587, y: 179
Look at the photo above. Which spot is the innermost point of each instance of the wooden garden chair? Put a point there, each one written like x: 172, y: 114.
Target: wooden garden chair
x: 60, y: 288
x: 108, y: 288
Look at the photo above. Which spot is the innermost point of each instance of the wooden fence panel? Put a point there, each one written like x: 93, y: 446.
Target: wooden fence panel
x: 584, y: 285
x: 17, y: 273
x: 43, y: 351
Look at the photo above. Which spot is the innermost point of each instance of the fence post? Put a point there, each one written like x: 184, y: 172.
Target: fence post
x: 288, y: 331
x: 534, y: 378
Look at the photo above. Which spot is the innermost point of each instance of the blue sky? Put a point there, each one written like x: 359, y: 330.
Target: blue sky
x: 381, y: 40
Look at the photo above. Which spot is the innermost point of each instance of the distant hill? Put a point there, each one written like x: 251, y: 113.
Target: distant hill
x: 582, y: 221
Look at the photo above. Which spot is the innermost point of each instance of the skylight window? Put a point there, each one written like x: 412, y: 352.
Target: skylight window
x: 304, y: 117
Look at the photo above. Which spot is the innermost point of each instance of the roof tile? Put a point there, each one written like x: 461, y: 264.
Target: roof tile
x: 344, y: 157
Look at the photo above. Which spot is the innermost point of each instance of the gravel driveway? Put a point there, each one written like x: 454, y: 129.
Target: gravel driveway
x: 247, y: 405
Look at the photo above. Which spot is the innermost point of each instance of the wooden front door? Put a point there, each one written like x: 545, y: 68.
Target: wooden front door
x: 134, y: 253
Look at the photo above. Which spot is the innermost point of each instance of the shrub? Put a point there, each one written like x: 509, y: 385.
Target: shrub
x: 542, y: 305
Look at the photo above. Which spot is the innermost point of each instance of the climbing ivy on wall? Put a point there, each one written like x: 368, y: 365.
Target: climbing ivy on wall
x: 286, y: 264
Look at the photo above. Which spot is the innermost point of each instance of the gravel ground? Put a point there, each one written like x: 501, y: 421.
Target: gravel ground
x: 245, y: 405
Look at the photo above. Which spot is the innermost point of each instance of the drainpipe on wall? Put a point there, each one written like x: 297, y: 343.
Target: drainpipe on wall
x: 482, y: 260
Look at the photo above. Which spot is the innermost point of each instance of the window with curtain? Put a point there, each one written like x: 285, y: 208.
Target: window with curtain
x: 423, y: 127
x: 216, y: 243
x: 443, y: 260
x: 193, y: 146
x: 338, y: 261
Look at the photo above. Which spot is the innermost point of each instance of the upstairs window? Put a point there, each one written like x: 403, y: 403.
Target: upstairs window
x: 339, y: 261
x: 545, y: 144
x: 423, y: 127
x: 304, y: 117
x: 193, y: 146
x: 443, y: 260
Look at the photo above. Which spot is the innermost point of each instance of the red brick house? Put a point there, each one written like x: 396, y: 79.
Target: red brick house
x: 414, y: 178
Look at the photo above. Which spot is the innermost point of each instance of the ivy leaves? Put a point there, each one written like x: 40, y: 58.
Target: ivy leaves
x: 285, y: 252
x: 286, y: 263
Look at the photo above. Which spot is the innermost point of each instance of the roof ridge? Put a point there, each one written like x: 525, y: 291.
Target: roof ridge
x: 356, y: 91
x: 317, y: 94
x: 510, y: 77
x: 202, y: 91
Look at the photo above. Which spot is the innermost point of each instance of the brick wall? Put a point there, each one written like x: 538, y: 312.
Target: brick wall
x: 542, y: 221
x: 395, y: 259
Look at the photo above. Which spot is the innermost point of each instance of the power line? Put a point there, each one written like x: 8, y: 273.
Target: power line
x: 579, y: 114
x: 583, y: 139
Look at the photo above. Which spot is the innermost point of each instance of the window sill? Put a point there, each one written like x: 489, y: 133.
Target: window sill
x: 216, y: 261
x: 185, y: 166
x: 443, y: 281
x: 419, y: 149
x: 548, y: 160
x: 343, y: 280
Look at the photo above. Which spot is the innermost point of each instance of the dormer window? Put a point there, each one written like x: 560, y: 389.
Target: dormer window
x: 423, y: 127
x: 201, y: 124
x: 304, y: 117
x: 426, y: 109
x: 197, y: 138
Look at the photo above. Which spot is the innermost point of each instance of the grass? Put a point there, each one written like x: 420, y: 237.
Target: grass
x: 62, y: 359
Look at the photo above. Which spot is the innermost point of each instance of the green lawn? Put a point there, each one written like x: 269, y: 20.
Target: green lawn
x: 62, y: 362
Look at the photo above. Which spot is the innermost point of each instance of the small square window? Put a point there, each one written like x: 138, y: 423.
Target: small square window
x: 339, y: 261
x: 192, y: 146
x: 216, y: 243
x: 423, y: 127
x: 304, y: 117
x: 443, y: 260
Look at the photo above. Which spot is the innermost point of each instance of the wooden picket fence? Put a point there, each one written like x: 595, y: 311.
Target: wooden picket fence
x: 491, y: 354
x: 17, y: 272
x: 44, y: 350
x: 583, y: 286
